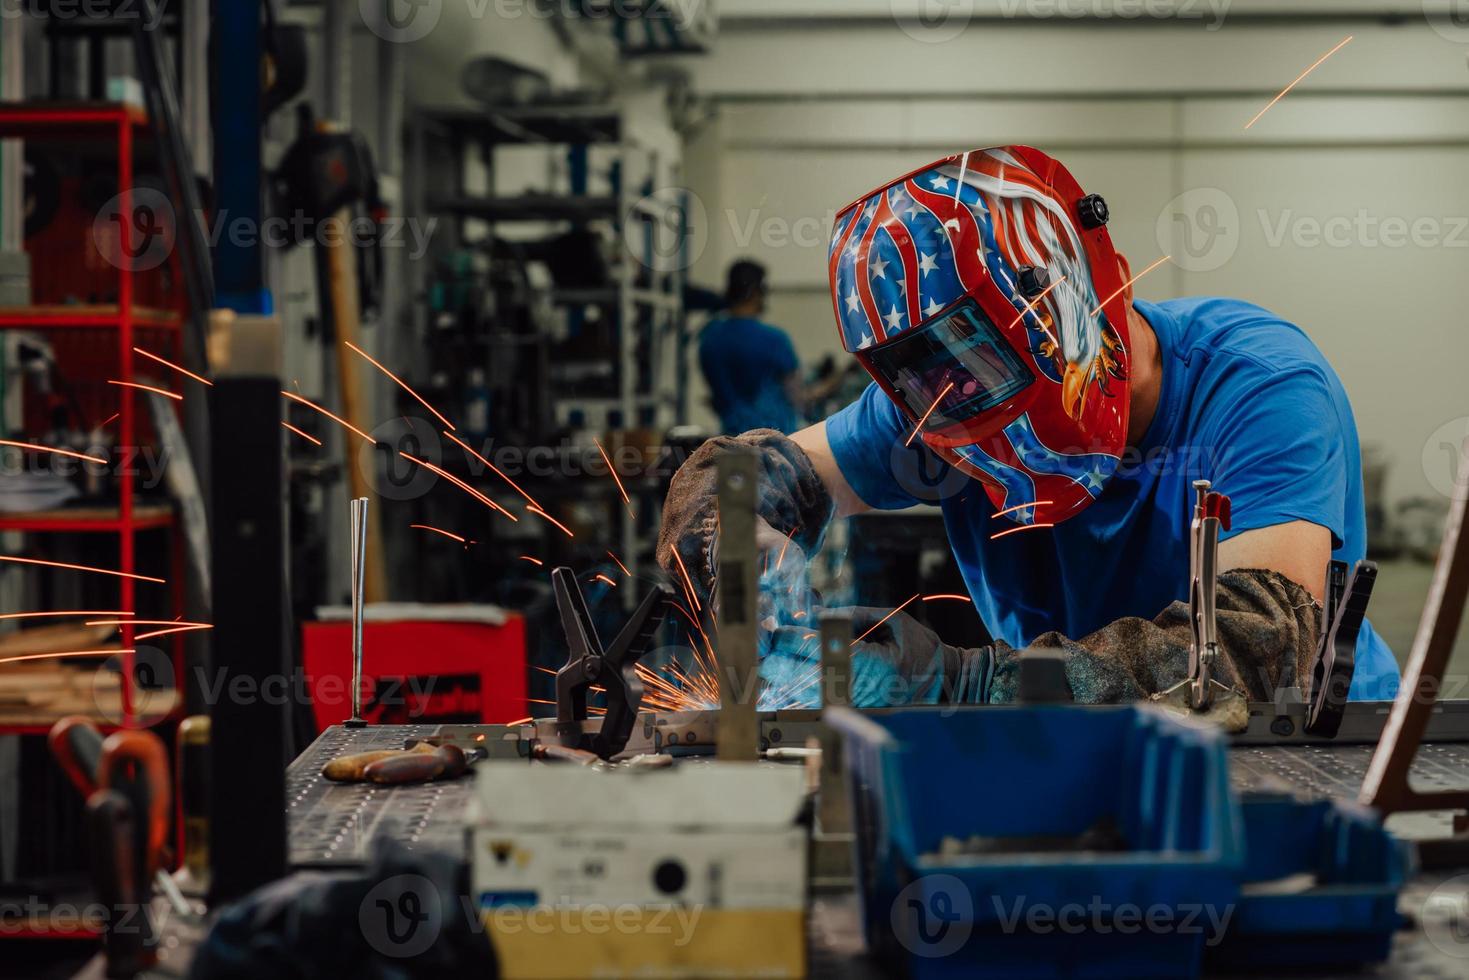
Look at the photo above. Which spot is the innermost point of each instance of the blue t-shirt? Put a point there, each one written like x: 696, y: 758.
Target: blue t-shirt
x: 746, y: 362
x: 1247, y: 401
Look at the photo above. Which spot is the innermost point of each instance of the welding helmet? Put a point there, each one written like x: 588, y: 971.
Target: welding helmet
x: 983, y: 295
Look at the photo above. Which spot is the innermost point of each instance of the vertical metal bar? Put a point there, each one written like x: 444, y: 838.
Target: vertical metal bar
x: 12, y: 152
x: 129, y: 423
x: 336, y: 42
x: 358, y: 513
x: 739, y: 731
x: 834, y: 812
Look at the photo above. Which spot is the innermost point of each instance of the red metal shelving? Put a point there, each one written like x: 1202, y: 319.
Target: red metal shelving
x: 122, y: 123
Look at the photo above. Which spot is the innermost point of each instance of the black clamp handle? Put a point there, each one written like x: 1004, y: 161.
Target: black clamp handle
x: 1336, y: 656
x: 614, y: 669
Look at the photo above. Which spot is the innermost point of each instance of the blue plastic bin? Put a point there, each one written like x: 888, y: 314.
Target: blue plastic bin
x: 1344, y: 915
x: 919, y: 775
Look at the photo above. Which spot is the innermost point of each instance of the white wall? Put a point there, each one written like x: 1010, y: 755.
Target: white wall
x: 815, y: 111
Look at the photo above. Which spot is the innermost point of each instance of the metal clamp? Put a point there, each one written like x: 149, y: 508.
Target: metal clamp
x: 1336, y: 655
x: 614, y: 669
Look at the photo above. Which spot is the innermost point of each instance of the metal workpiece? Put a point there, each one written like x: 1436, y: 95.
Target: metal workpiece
x: 358, y: 538
x: 736, y: 629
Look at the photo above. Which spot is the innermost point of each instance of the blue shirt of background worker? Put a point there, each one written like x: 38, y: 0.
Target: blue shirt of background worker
x: 751, y: 366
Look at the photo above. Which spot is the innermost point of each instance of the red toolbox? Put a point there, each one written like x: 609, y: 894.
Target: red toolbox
x: 419, y: 669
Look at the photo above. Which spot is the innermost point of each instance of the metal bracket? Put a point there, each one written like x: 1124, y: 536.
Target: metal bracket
x: 1336, y: 655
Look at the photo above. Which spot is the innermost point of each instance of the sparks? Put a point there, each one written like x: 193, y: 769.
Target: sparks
x: 947, y: 388
x: 619, y: 563
x: 439, y: 530
x: 693, y: 596
x: 603, y: 578
x: 54, y: 452
x: 786, y: 544
x: 945, y: 595
x: 304, y: 435
x: 340, y: 421
x: 1316, y: 64
x: 107, y: 420
x: 494, y: 469
x: 145, y: 622
x: 521, y: 721
x: 82, y: 568
x: 460, y: 484
x: 1030, y: 308
x: 66, y: 612
x: 1128, y: 284
x: 65, y: 653
x: 540, y: 513
x: 1016, y: 530
x: 176, y: 629
x: 533, y: 561
x: 171, y: 364
x: 157, y: 391
x: 401, y: 383
x: 884, y: 619
x: 613, y: 470
x: 1011, y: 510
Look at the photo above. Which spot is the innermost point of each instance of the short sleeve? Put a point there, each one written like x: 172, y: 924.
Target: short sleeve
x: 867, y: 438
x: 782, y: 353
x: 1278, y: 448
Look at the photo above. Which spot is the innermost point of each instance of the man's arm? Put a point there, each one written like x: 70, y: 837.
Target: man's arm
x: 814, y: 444
x: 1298, y: 550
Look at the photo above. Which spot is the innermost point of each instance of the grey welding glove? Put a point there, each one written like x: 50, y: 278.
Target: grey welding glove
x: 792, y: 500
x: 1268, y: 627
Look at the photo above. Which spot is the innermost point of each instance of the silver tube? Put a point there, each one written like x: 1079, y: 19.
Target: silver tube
x: 358, y: 514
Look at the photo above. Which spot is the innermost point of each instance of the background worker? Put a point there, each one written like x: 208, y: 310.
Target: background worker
x: 983, y: 295
x: 751, y: 366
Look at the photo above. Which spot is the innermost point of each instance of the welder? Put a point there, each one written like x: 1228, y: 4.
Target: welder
x: 1059, y: 423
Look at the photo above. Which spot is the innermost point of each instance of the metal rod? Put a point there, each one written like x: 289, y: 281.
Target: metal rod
x: 738, y: 738
x: 358, y: 514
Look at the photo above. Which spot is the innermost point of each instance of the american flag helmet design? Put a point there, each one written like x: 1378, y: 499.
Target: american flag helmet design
x: 983, y: 294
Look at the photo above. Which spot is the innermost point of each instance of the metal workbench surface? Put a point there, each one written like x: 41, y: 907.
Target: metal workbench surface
x: 333, y: 824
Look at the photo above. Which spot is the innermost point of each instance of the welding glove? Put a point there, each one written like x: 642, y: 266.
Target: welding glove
x: 1267, y: 625
x: 792, y: 501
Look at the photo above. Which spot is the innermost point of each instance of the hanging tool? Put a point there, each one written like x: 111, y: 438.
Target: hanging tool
x: 358, y: 507
x: 1336, y: 655
x: 111, y: 830
x: 79, y: 748
x: 1201, y: 692
x: 615, y: 669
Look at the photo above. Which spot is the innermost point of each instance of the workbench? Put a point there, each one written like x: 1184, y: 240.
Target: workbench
x: 333, y: 825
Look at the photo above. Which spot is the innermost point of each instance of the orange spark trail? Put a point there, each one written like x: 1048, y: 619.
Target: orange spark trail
x: 619, y: 564
x: 438, y: 530
x: 1029, y: 307
x: 884, y: 619
x: 82, y: 568
x: 54, y: 452
x: 1316, y: 64
x: 401, y: 383
x: 604, y: 578
x: 961, y: 598
x: 782, y: 556
x: 107, y: 420
x: 340, y: 421
x: 176, y: 629
x: 1011, y: 510
x: 693, y: 596
x: 522, y: 721
x: 613, y: 470
x: 540, y: 513
x: 65, y: 612
x: 1016, y: 530
x: 67, y: 653
x: 528, y: 558
x: 947, y: 388
x: 304, y: 435
x: 145, y: 622
x: 157, y: 391
x: 494, y: 469
x: 171, y: 364
x: 1129, y: 282
x: 460, y: 484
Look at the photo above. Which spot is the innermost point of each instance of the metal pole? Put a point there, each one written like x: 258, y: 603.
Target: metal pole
x: 739, y: 679
x: 358, y: 509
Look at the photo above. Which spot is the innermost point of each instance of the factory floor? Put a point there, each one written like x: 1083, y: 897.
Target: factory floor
x: 1397, y: 604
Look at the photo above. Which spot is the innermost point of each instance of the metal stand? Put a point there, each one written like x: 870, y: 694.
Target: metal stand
x: 358, y: 511
x: 1385, y: 787
x: 738, y: 738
